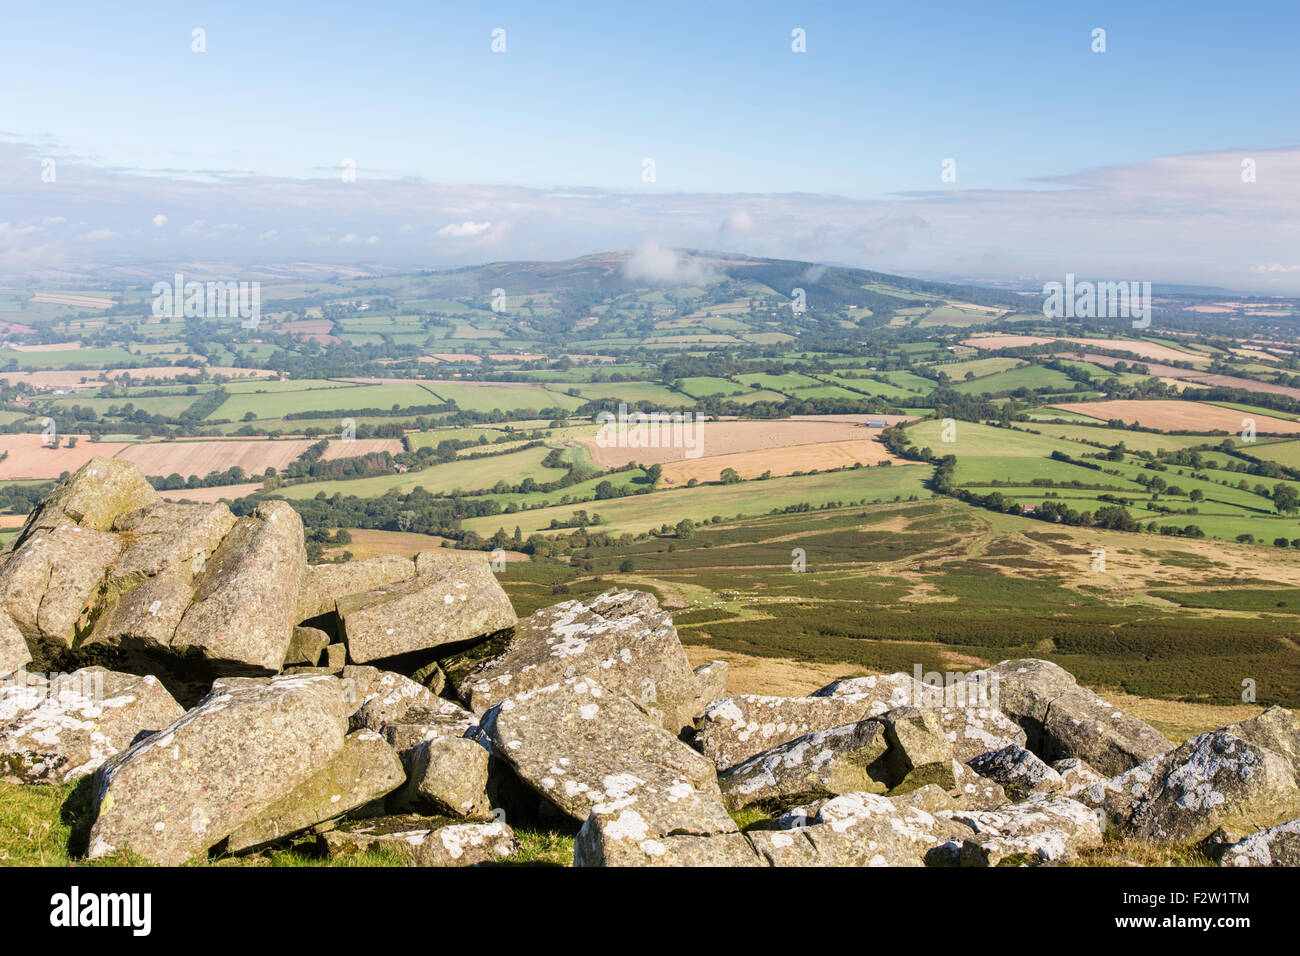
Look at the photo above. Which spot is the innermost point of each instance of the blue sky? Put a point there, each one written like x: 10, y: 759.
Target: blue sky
x: 711, y: 91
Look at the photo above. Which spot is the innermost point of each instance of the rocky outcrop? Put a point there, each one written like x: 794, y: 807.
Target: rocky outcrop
x: 603, y: 842
x: 1217, y: 786
x: 364, y: 770
x: 221, y: 766
x: 60, y: 730
x: 324, y: 584
x: 1043, y: 829
x: 448, y: 775
x: 1018, y: 770
x: 48, y: 583
x: 622, y: 638
x: 92, y: 497
x: 1276, y: 846
x: 424, y: 841
x: 737, y: 728
x: 826, y: 763
x: 13, y: 647
x: 1065, y: 720
x: 245, y: 604
x: 589, y: 750
x: 454, y: 600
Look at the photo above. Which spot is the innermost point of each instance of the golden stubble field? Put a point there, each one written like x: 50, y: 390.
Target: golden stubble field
x: 29, y: 458
x: 1180, y: 416
x: 708, y: 440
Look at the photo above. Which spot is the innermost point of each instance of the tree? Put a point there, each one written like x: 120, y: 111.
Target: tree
x: 1285, y: 498
x: 685, y: 528
x: 730, y: 476
x: 626, y: 566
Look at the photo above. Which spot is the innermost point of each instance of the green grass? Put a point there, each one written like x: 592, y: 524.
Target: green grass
x: 281, y: 403
x: 646, y: 512
x: 464, y: 475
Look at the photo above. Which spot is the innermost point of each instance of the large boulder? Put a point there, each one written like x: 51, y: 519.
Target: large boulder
x: 1065, y: 720
x: 366, y: 769
x: 604, y: 842
x: 245, y: 606
x: 247, y: 745
x: 622, y: 638
x: 589, y: 750
x: 1278, y: 729
x: 49, y: 583
x: 887, y: 690
x: 863, y: 829
x: 151, y: 585
x: 67, y: 728
x: 1276, y: 846
x: 14, y: 653
x: 453, y: 601
x: 829, y: 762
x: 424, y: 841
x: 1018, y: 770
x: 92, y: 497
x: 1045, y: 828
x: 919, y: 752
x: 737, y: 728
x: 448, y: 775
x: 1216, y: 787
x: 324, y: 584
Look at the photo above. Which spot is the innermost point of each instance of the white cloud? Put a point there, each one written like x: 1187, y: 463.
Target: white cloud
x: 652, y: 262
x: 159, y: 221
x: 98, y: 235
x: 465, y: 230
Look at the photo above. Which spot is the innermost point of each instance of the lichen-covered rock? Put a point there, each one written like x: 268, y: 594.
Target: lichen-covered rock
x: 919, y: 751
x: 973, y: 792
x: 589, y: 750
x: 92, y: 497
x: 1276, y: 846
x: 710, y: 685
x: 862, y: 829
x: 603, y: 842
x: 306, y: 647
x: 829, y: 762
x: 67, y: 728
x: 424, y: 841
x: 1018, y: 770
x: 448, y: 775
x: 1044, y: 828
x: 1278, y: 729
x: 1063, y: 719
x: 388, y: 697
x: 621, y: 638
x: 324, y: 584
x: 48, y: 583
x: 419, y: 726
x: 737, y: 728
x: 165, y: 535
x: 972, y: 731
x: 13, y: 647
x: 887, y: 690
x: 244, y: 747
x: 366, y: 769
x: 244, y: 608
x: 1215, y: 785
x: 459, y: 601
x: 1076, y: 776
